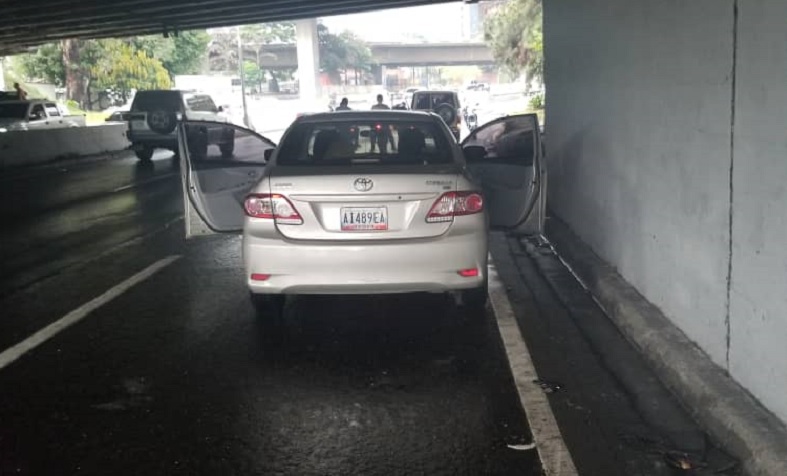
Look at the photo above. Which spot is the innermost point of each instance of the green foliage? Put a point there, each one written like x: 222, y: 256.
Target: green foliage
x: 342, y: 52
x: 124, y: 68
x: 268, y: 33
x: 45, y: 64
x: 514, y: 33
x: 182, y: 54
x: 536, y: 102
x: 252, y: 74
x: 223, y: 44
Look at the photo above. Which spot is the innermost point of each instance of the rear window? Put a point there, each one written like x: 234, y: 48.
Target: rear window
x: 426, y: 101
x: 363, y: 143
x: 156, y: 100
x: 201, y: 103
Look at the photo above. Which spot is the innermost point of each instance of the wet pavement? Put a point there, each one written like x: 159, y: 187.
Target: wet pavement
x: 178, y: 376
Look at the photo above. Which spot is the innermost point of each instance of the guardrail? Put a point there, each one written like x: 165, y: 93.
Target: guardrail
x: 35, y: 147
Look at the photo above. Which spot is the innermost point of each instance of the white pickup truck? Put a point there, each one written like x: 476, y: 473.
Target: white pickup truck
x: 36, y: 114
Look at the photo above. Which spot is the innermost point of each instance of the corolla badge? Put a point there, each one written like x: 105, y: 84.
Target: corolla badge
x: 363, y: 184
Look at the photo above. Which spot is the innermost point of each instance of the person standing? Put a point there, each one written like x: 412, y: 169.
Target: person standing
x: 382, y: 137
x: 21, y: 94
x: 343, y: 105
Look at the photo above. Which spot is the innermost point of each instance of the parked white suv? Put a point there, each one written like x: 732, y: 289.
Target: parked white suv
x: 154, y: 115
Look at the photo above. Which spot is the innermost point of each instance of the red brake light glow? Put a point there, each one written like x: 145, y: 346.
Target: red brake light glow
x: 453, y: 204
x: 468, y: 273
x: 272, y: 207
x: 260, y: 277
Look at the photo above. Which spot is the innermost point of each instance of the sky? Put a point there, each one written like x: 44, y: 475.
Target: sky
x: 441, y: 22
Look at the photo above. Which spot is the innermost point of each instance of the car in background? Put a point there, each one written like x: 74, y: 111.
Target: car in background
x: 321, y: 214
x: 35, y: 114
x: 443, y: 103
x: 153, y: 120
x: 118, y: 116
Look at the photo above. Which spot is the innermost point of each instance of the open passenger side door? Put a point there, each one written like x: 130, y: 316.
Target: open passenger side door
x: 220, y: 164
x: 505, y: 157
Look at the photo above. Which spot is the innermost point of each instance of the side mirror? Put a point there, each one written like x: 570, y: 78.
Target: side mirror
x: 474, y: 153
x: 220, y: 109
x: 267, y: 154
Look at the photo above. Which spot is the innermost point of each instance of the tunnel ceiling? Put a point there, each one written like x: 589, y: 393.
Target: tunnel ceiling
x: 28, y: 23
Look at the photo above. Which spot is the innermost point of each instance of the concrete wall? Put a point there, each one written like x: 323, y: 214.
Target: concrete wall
x: 640, y: 137
x: 34, y: 147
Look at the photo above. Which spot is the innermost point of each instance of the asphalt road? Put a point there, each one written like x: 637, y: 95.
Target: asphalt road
x: 174, y: 375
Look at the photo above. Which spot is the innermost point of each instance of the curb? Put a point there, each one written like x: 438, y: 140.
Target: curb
x: 720, y: 405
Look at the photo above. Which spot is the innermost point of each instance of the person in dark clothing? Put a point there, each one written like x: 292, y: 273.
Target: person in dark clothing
x: 343, y: 105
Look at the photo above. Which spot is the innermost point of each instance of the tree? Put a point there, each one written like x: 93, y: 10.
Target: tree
x: 118, y: 65
x: 181, y: 54
x: 223, y: 44
x: 339, y: 53
x: 514, y: 33
x: 124, y: 68
x: 253, y: 75
x: 45, y: 64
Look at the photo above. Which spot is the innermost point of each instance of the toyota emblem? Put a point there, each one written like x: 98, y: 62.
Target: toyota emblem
x: 363, y: 184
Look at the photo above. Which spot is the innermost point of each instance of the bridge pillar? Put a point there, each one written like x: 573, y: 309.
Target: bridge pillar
x: 2, y: 80
x: 308, y: 58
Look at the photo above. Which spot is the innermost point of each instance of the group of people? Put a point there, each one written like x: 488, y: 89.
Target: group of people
x: 379, y: 138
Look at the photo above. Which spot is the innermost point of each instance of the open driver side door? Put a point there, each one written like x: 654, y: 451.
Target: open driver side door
x: 505, y: 157
x: 220, y: 164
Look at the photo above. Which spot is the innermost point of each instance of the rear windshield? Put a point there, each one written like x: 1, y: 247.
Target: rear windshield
x: 157, y: 100
x: 425, y: 101
x: 13, y: 110
x: 363, y: 143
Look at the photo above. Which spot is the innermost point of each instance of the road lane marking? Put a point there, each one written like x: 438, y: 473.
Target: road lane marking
x: 11, y: 354
x: 144, y: 182
x: 552, y: 450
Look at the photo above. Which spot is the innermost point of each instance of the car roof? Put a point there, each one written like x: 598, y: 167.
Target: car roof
x: 387, y: 114
x: 435, y: 91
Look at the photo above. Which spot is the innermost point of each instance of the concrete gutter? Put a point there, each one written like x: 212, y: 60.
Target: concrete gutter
x: 720, y: 405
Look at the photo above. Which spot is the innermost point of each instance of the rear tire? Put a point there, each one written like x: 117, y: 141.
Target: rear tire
x: 474, y: 300
x: 269, y: 308
x: 144, y: 154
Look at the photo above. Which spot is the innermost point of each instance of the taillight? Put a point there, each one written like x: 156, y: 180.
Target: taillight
x: 273, y: 207
x: 453, y: 204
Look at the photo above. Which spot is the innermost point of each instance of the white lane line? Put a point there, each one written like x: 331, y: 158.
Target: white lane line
x: 552, y: 450
x: 144, y: 182
x: 11, y: 354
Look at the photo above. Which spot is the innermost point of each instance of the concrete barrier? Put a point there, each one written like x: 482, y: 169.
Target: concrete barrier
x: 36, y: 147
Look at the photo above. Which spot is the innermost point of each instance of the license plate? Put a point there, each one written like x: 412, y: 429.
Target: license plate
x: 364, y: 219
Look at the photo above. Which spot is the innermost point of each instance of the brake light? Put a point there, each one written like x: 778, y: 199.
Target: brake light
x: 272, y: 207
x: 453, y: 204
x: 468, y: 273
x: 260, y: 277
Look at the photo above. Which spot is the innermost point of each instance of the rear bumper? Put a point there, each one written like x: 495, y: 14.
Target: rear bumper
x: 153, y: 139
x: 429, y: 265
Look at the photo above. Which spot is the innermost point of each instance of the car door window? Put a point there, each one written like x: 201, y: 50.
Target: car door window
x: 201, y: 103
x: 507, y: 140
x: 37, y: 113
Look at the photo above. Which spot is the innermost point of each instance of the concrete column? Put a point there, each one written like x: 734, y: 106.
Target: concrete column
x: 308, y: 58
x: 377, y: 73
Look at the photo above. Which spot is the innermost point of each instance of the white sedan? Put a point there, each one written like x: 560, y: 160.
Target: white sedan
x: 367, y: 202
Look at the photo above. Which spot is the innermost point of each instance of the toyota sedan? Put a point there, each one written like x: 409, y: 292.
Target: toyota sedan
x: 366, y: 202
